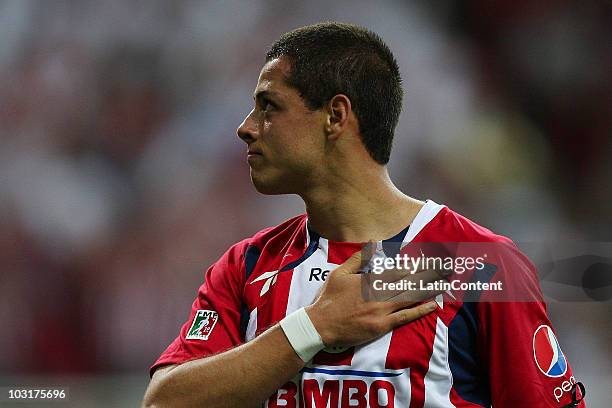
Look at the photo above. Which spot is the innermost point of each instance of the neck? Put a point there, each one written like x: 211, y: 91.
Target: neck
x: 364, y: 206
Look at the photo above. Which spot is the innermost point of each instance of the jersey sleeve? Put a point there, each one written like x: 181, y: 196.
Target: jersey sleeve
x: 214, y: 321
x: 526, y: 365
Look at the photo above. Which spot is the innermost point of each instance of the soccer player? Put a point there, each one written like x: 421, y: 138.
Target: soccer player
x: 280, y: 319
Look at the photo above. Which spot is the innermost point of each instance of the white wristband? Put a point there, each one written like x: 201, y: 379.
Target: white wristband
x: 302, y: 335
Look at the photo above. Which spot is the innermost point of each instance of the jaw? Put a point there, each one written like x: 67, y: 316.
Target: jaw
x: 274, y: 181
x: 291, y: 173
x: 268, y: 184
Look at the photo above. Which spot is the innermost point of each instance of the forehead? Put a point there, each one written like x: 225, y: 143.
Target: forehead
x: 272, y: 77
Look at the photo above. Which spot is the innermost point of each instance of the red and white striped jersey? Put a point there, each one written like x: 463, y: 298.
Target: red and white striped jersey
x: 473, y: 354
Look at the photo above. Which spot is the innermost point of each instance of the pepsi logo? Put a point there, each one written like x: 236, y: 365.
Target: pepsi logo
x: 547, y: 354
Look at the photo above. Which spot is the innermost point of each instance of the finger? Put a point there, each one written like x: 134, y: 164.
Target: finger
x: 429, y: 275
x: 435, y: 273
x: 367, y: 252
x: 404, y: 316
x: 419, y: 278
x: 402, y: 286
x: 409, y: 297
x: 356, y: 262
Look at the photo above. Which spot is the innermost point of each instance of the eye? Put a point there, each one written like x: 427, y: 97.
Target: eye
x: 267, y: 105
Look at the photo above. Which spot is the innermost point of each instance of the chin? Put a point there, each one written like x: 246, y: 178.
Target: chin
x: 270, y: 187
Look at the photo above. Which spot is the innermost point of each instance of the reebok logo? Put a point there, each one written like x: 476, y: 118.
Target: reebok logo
x: 318, y: 274
x: 269, y: 279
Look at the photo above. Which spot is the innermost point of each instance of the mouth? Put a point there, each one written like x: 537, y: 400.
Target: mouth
x: 253, y: 153
x: 253, y: 157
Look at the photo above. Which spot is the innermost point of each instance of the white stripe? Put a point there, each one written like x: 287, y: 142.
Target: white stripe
x: 423, y: 217
x: 252, y: 326
x: 439, y: 379
x: 307, y: 232
x: 302, y: 292
x: 371, y: 356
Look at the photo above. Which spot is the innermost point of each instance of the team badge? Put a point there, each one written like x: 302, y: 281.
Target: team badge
x: 547, y: 354
x: 203, y: 324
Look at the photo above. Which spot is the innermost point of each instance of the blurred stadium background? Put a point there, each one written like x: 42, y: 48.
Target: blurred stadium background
x: 122, y: 179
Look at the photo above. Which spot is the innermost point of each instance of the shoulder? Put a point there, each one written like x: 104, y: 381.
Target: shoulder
x: 450, y: 226
x: 511, y: 265
x: 273, y: 237
x: 239, y: 261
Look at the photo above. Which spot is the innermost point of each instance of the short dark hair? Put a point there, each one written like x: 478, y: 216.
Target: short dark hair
x: 335, y: 58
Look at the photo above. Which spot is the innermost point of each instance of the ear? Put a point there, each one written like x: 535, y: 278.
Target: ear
x: 339, y: 109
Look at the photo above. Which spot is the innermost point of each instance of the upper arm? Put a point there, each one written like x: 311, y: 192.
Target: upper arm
x: 525, y: 362
x: 159, y: 372
x: 213, y: 324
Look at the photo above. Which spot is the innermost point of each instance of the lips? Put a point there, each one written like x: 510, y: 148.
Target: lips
x: 253, y: 156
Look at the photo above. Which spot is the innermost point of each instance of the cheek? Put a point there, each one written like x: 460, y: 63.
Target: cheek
x: 306, y: 133
x: 295, y: 140
x: 280, y: 136
x: 302, y: 146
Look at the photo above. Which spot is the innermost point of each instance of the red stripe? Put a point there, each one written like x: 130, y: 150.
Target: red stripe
x: 411, y: 347
x: 338, y: 252
x: 274, y: 305
x: 460, y: 402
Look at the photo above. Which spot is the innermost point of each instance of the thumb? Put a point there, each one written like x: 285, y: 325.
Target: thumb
x: 357, y: 262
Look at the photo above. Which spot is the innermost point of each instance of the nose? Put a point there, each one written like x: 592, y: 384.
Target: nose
x: 247, y: 131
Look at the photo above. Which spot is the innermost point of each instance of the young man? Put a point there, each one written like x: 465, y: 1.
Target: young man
x: 326, y: 105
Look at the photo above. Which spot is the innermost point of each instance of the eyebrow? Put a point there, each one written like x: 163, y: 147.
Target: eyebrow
x: 265, y: 94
